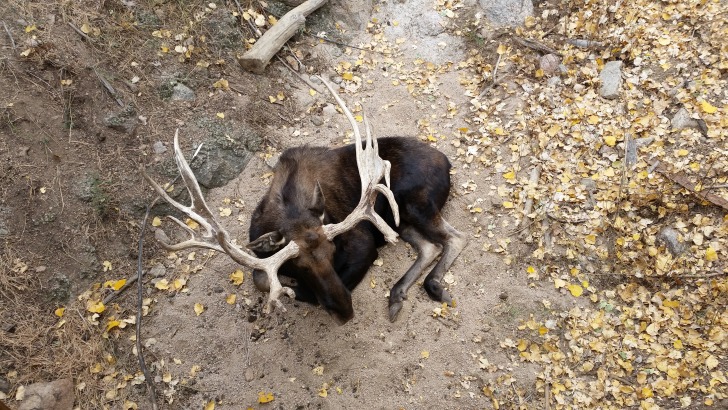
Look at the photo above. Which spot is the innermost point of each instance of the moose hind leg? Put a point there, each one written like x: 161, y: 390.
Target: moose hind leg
x: 426, y: 253
x: 453, y: 243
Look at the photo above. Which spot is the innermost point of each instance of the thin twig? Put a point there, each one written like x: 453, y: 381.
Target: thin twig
x: 140, y: 299
x: 305, y: 80
x: 81, y: 33
x: 338, y: 43
x: 109, y: 88
x: 535, y: 45
x: 10, y: 35
x: 112, y: 296
x: 495, y: 77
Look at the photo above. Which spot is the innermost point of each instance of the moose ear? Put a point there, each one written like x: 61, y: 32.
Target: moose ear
x: 269, y: 242
x: 318, y: 201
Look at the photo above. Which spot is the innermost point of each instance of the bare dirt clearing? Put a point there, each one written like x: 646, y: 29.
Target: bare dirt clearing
x: 611, y: 292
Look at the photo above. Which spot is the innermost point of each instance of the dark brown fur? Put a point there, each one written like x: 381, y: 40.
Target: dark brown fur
x: 326, y: 271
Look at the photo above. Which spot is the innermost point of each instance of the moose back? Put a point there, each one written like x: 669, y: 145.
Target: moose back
x: 315, y: 186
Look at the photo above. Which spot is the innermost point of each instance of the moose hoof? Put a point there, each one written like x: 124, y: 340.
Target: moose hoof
x: 437, y: 292
x: 396, y: 299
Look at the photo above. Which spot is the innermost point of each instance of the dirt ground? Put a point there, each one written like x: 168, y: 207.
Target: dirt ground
x: 72, y: 199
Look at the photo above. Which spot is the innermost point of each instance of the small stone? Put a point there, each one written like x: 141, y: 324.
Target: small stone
x: 23, y: 151
x: 671, y: 238
x: 159, y: 148
x: 329, y: 111
x: 682, y: 120
x: 554, y: 81
x: 249, y: 375
x: 337, y: 79
x: 56, y: 395
x: 218, y: 289
x: 316, y: 120
x: 4, y: 386
x: 549, y: 63
x: 181, y: 92
x: 611, y: 77
x: 503, y: 296
x: 158, y: 271
x: 507, y: 12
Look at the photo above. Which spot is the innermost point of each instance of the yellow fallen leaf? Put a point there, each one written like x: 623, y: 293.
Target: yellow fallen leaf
x: 593, y: 120
x: 220, y: 115
x: 95, y: 306
x: 265, y: 397
x: 210, y: 405
x: 347, y: 76
x: 590, y: 239
x: 221, y: 84
x: 707, y: 107
x: 272, y: 99
x: 712, y: 362
x: 237, y: 277
x: 199, y: 308
x: 59, y: 312
x: 508, y: 205
x: 115, y: 284
x: 576, y: 290
x: 318, y: 370
x: 324, y: 390
x: 85, y: 28
x: 559, y: 283
x: 225, y: 211
x: 231, y: 298
x: 107, y: 265
x: 610, y: 140
x: 358, y: 118
x: 501, y: 49
x: 311, y: 92
x: 191, y: 223
x: 162, y: 284
x: 677, y: 344
x: 425, y: 354
x: 112, y: 324
x: 28, y: 29
x: 510, y: 175
x: 156, y: 221
x: 711, y: 254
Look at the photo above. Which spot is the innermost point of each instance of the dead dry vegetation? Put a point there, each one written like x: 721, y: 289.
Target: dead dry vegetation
x: 595, y: 274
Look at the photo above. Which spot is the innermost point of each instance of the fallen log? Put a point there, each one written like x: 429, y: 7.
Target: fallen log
x: 258, y: 57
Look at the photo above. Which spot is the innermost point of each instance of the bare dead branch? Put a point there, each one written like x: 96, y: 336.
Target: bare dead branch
x: 685, y: 181
x: 257, y: 58
x: 109, y: 88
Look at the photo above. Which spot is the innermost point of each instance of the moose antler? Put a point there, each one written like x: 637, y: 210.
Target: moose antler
x: 372, y: 169
x: 213, y: 236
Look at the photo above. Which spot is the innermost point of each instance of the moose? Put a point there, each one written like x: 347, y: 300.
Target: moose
x: 321, y: 222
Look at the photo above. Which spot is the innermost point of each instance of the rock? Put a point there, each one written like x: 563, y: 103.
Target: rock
x: 158, y: 270
x: 429, y: 23
x: 611, y: 77
x: 554, y: 81
x: 249, y: 374
x: 682, y: 120
x: 671, y: 238
x: 224, y: 153
x: 507, y: 12
x: 124, y: 121
x: 549, y: 63
x: 83, y: 187
x: 316, y: 120
x: 4, y: 386
x: 181, y: 92
x: 159, y: 148
x: 55, y: 395
x: 329, y: 111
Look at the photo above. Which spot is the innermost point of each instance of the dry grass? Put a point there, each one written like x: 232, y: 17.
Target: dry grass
x: 34, y: 345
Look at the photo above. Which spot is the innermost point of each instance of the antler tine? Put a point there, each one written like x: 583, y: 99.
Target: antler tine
x: 215, y: 236
x: 372, y: 169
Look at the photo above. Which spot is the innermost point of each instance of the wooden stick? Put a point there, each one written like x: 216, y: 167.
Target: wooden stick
x: 683, y: 180
x: 258, y: 57
x: 12, y: 40
x: 81, y: 33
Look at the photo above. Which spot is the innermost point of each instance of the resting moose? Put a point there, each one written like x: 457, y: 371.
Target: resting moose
x: 321, y: 221
x: 313, y: 186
